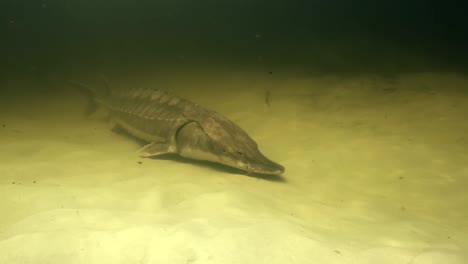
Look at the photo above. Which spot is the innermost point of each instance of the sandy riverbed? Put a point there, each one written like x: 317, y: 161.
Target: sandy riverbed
x: 376, y: 172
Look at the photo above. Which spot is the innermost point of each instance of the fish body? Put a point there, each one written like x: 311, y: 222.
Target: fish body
x: 170, y: 124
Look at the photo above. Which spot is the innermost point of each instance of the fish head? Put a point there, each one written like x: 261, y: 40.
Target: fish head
x: 247, y: 158
x: 219, y: 140
x: 234, y: 147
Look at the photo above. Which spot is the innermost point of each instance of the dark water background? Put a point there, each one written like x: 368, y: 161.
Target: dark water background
x: 41, y: 40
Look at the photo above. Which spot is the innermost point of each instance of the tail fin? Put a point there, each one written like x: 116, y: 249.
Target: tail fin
x: 90, y: 95
x: 107, y: 85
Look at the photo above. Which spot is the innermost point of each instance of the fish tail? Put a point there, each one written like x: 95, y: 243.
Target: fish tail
x: 90, y: 95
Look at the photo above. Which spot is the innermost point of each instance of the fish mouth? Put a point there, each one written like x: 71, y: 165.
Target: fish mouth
x: 277, y: 171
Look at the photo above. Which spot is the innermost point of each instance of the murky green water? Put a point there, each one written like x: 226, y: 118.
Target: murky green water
x: 366, y: 109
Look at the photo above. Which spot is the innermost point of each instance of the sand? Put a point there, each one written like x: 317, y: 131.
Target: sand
x: 376, y: 172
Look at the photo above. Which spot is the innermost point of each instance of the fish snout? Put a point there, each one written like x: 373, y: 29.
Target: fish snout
x: 275, y: 168
x: 266, y: 166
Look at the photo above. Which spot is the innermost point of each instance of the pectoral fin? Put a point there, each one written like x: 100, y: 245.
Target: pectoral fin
x: 156, y: 149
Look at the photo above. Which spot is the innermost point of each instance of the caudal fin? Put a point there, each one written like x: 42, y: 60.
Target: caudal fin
x: 90, y: 96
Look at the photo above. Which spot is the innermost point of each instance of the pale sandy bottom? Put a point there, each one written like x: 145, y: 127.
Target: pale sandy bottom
x: 377, y: 172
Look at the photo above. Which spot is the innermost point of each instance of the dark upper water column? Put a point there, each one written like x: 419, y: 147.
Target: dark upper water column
x: 43, y: 36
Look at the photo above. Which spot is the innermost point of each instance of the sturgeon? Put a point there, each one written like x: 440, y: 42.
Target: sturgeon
x: 171, y: 124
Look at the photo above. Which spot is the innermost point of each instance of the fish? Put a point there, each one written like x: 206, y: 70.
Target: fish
x: 169, y: 124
